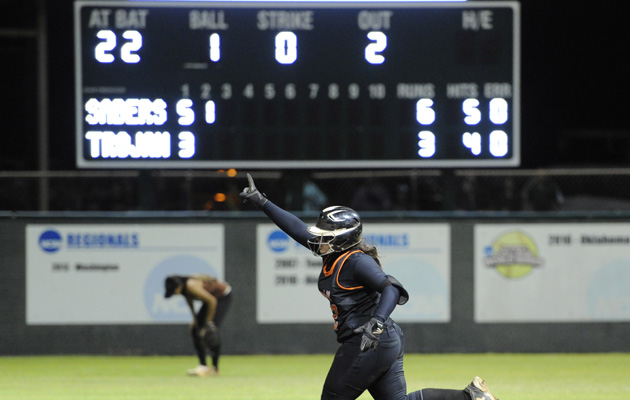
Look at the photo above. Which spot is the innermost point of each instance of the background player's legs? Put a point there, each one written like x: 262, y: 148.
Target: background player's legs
x: 200, y: 348
x: 223, y: 305
x: 213, y: 342
x: 200, y: 318
x: 215, y: 353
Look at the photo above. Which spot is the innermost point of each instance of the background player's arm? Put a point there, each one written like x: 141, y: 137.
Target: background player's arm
x: 195, y: 288
x: 190, y: 306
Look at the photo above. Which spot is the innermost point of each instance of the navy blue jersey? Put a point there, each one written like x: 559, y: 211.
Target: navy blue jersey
x: 359, y: 290
x: 352, y: 281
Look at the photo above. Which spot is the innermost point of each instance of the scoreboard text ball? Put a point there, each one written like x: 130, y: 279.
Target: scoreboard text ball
x: 297, y: 84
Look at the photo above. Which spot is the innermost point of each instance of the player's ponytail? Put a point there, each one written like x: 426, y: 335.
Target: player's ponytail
x: 369, y: 250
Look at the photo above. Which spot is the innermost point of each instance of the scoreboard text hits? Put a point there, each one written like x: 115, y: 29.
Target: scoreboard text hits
x: 297, y: 84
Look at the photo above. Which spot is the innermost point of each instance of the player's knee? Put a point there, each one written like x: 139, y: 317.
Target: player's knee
x: 415, y: 395
x: 327, y: 395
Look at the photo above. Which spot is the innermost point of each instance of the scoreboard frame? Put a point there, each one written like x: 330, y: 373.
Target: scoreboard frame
x: 147, y: 97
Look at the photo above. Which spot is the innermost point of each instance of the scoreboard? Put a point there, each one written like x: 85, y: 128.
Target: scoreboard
x: 297, y: 84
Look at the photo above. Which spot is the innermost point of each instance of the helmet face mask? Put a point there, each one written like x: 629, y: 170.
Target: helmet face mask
x: 337, y: 227
x: 316, y: 242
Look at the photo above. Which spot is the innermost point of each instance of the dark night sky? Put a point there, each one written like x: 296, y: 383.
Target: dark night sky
x: 575, y: 80
x: 574, y: 83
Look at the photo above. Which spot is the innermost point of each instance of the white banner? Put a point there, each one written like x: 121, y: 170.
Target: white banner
x: 552, y: 272
x: 418, y: 255
x: 114, y: 274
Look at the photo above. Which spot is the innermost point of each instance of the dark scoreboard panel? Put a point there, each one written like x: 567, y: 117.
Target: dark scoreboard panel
x: 297, y: 84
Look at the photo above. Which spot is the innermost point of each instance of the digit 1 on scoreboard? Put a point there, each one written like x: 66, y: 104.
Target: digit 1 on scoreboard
x: 214, y: 44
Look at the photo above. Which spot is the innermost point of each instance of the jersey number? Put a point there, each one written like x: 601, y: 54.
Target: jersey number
x: 335, y: 314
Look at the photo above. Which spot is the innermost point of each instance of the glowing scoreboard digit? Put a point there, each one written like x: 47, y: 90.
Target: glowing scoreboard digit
x: 297, y: 84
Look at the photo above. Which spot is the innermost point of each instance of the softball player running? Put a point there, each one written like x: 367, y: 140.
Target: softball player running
x: 362, y: 297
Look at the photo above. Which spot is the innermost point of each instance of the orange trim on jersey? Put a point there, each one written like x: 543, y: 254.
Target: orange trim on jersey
x: 328, y: 272
x: 332, y: 268
x: 345, y: 257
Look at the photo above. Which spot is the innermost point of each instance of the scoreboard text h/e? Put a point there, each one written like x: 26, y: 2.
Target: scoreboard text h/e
x: 297, y: 84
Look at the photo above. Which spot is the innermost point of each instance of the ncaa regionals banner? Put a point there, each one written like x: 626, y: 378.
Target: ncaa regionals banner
x: 552, y: 273
x: 114, y: 274
x: 418, y: 255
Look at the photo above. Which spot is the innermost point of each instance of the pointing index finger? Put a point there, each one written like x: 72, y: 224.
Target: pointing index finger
x: 250, y: 180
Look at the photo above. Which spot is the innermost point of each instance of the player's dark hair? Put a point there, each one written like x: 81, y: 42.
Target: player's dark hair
x: 369, y: 250
x: 172, y: 282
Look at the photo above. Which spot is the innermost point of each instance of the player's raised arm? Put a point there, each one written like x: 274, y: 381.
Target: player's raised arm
x: 289, y: 223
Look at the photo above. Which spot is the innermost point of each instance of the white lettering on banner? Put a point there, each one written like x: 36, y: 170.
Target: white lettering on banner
x: 565, y: 272
x: 74, y: 271
x: 513, y: 255
x: 418, y: 255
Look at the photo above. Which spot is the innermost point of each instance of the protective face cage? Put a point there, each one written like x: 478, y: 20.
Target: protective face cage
x: 315, y: 244
x: 338, y: 227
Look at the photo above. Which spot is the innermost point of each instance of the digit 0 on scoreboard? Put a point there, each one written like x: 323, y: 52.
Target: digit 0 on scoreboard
x: 295, y: 84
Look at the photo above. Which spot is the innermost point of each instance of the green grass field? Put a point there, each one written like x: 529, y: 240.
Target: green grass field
x: 296, y: 377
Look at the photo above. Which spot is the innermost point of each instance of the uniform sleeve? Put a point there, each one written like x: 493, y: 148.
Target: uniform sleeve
x: 368, y: 273
x: 389, y: 299
x: 289, y: 223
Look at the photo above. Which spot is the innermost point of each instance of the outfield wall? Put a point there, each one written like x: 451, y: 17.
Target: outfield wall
x: 91, y: 283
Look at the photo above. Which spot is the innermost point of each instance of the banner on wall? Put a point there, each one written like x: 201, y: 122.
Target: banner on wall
x: 114, y: 274
x: 552, y: 272
x: 418, y: 255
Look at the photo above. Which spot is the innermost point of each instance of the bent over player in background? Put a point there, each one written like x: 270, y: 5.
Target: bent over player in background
x: 362, y: 297
x: 215, y: 296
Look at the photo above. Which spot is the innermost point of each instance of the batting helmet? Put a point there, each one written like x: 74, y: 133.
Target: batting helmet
x: 339, y: 227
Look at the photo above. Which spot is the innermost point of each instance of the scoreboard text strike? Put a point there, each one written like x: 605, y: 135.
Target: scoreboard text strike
x: 297, y: 84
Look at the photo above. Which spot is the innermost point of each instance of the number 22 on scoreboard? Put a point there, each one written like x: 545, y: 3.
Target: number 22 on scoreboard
x: 286, y: 47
